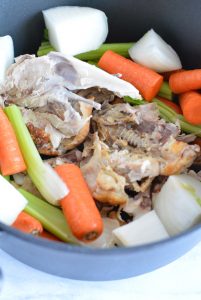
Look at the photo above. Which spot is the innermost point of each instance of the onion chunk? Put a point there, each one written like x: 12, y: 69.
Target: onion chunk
x: 178, y: 204
x: 144, y: 230
x: 11, y: 202
x: 153, y: 52
x: 6, y: 55
x: 73, y: 30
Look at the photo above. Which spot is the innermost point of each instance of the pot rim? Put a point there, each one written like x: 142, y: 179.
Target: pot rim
x: 79, y: 249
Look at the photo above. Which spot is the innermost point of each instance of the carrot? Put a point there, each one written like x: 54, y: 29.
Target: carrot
x: 78, y: 206
x: 145, y: 80
x: 11, y: 160
x: 27, y: 224
x: 166, y: 75
x: 46, y: 235
x: 185, y: 81
x: 171, y: 104
x: 190, y: 103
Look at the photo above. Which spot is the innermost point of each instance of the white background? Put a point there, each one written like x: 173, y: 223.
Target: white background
x: 179, y: 280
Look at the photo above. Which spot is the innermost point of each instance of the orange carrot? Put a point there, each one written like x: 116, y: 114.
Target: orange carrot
x: 171, y: 104
x: 11, y: 160
x: 27, y: 224
x: 185, y: 81
x: 190, y: 103
x: 46, y: 235
x: 78, y: 206
x: 166, y: 75
x: 145, y: 80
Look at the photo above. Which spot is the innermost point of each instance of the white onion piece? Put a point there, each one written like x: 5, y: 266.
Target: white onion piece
x: 6, y: 55
x: 153, y: 52
x: 178, y: 203
x: 19, y: 178
x: 50, y: 185
x: 11, y: 202
x: 106, y: 240
x: 144, y: 230
x: 73, y: 30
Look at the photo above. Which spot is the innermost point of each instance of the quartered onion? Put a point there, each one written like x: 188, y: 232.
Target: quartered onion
x: 6, y: 55
x: 178, y: 204
x: 11, y: 202
x: 73, y: 30
x: 153, y: 52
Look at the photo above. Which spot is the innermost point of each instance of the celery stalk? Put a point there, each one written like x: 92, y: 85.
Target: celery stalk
x: 45, y: 34
x: 172, y: 117
x: 47, y: 181
x: 134, y: 101
x: 165, y: 91
x: 93, y: 62
x: 51, y: 217
x: 120, y: 48
x: 7, y: 178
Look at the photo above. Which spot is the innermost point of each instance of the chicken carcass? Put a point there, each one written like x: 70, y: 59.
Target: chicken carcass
x: 47, y: 91
x: 136, y: 145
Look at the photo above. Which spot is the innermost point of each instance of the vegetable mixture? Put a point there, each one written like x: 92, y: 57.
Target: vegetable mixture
x: 99, y: 143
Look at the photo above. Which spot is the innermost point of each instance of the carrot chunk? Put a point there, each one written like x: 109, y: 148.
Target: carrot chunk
x: 78, y: 206
x: 27, y: 224
x: 147, y: 81
x: 190, y: 103
x: 11, y: 160
x: 185, y: 81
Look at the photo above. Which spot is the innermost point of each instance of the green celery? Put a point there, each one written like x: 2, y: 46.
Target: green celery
x: 93, y: 62
x: 165, y: 91
x: 94, y: 55
x: 45, y: 34
x: 173, y: 117
x: 134, y: 101
x: 7, y: 178
x: 120, y: 48
x: 45, y: 49
x: 50, y: 217
x: 45, y: 179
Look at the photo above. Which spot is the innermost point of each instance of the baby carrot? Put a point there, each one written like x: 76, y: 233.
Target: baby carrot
x: 46, y: 235
x: 190, y: 103
x: 145, y: 80
x: 78, y: 206
x: 166, y: 75
x: 11, y: 160
x: 185, y: 81
x: 171, y: 104
x: 27, y: 224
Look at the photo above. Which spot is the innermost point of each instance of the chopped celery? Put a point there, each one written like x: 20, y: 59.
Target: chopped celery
x: 7, y: 178
x: 93, y: 62
x: 134, y: 101
x: 120, y: 48
x: 51, y: 187
x: 94, y: 55
x: 165, y: 91
x: 45, y: 34
x: 51, y: 217
x: 171, y: 116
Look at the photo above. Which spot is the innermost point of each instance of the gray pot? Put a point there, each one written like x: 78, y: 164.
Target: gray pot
x: 179, y: 23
